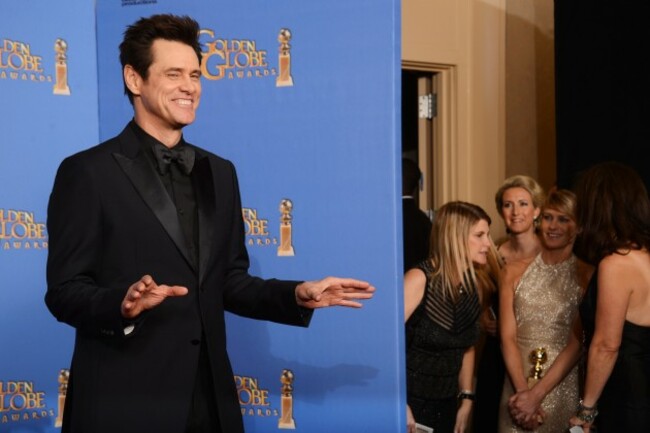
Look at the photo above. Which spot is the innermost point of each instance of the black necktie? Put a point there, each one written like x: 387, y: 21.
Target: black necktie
x: 183, y: 156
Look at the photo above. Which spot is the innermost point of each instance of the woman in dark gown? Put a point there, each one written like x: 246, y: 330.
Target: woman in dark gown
x: 614, y: 212
x: 441, y: 308
x: 623, y: 405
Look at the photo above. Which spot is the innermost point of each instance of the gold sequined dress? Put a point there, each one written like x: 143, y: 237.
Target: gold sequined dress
x: 545, y: 304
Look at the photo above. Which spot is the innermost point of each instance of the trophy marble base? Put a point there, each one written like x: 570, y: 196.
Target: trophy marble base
x: 59, y: 418
x: 284, y: 83
x: 287, y: 421
x: 286, y: 253
x: 285, y: 249
x: 61, y: 85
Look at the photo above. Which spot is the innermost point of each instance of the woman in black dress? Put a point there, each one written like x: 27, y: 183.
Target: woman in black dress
x: 442, y: 307
x: 614, y: 212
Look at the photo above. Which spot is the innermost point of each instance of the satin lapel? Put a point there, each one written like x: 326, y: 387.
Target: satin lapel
x: 205, y: 197
x: 151, y: 189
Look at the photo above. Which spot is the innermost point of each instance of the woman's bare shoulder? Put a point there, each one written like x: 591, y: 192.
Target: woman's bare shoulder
x: 513, y: 270
x: 625, y: 259
x: 519, y: 265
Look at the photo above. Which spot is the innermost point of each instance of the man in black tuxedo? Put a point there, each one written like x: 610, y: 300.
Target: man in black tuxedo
x: 146, y: 252
x: 416, y: 224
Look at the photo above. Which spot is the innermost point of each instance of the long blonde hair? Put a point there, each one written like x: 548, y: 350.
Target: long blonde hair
x: 450, y: 246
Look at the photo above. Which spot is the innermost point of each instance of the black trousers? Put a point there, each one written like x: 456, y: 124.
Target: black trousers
x: 203, y: 417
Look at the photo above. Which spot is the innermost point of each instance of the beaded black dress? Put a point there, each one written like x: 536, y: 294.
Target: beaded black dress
x: 624, y: 405
x: 437, y: 335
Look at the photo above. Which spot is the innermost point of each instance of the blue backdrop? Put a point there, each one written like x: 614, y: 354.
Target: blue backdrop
x: 304, y: 98
x: 40, y: 124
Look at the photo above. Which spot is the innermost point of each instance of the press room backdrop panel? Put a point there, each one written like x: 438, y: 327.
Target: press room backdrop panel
x: 304, y: 98
x: 44, y: 116
x: 326, y: 139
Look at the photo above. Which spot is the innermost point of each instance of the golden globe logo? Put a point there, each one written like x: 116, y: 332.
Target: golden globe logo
x: 232, y: 58
x: 253, y: 400
x: 257, y: 229
x: 20, y: 401
x: 18, y: 63
x: 20, y: 230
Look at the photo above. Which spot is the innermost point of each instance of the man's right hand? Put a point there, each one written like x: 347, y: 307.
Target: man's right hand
x: 145, y: 294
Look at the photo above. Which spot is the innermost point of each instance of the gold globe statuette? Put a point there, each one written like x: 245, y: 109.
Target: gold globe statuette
x: 286, y: 420
x: 284, y: 77
x: 64, y: 376
x: 537, y: 358
x: 61, y: 68
x: 285, y: 248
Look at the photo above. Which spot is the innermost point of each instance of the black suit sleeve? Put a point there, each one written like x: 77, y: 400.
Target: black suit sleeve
x: 75, y: 244
x: 251, y: 296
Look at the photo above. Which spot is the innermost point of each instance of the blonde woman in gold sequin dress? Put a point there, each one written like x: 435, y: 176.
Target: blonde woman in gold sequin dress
x: 518, y: 200
x: 539, y: 301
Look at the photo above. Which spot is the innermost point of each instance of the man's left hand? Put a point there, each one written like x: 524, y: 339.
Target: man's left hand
x: 332, y: 291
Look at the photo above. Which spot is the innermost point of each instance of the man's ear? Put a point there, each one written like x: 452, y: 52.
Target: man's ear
x: 132, y: 79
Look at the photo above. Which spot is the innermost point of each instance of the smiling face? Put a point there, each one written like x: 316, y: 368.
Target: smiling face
x: 479, y: 242
x: 558, y: 230
x: 167, y: 100
x: 518, y: 210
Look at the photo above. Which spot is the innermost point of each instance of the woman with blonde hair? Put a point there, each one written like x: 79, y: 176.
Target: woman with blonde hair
x: 442, y: 306
x: 539, y: 322
x: 518, y: 201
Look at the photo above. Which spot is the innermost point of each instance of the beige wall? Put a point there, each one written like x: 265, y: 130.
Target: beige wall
x: 500, y: 54
x: 530, y: 90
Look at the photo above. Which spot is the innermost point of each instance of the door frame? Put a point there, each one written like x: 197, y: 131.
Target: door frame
x: 439, y: 147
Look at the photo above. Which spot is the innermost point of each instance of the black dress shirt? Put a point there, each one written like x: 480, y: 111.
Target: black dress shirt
x: 180, y: 189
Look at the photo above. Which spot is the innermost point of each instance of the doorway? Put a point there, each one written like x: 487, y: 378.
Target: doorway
x: 428, y: 135
x: 419, y: 106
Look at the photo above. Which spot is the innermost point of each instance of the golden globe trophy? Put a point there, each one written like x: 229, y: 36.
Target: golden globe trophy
x: 284, y: 78
x: 61, y: 84
x: 64, y: 376
x: 537, y: 358
x: 286, y: 401
x: 285, y: 248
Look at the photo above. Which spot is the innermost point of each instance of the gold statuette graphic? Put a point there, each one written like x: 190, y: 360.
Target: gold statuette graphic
x: 64, y: 376
x: 284, y: 78
x: 537, y: 358
x: 285, y: 248
x: 286, y: 417
x: 61, y: 84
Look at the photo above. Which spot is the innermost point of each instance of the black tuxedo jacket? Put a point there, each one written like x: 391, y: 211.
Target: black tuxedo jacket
x: 110, y: 221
